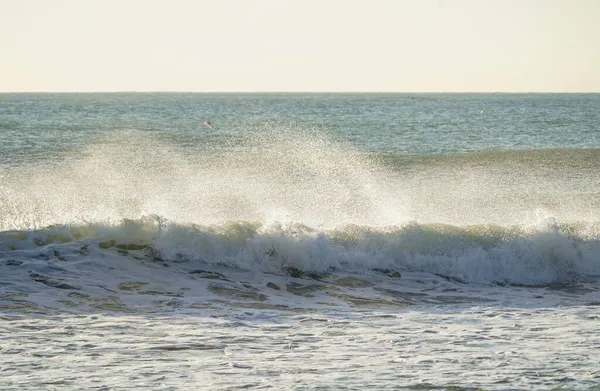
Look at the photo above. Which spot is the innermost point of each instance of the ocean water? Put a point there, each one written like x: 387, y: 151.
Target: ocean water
x: 305, y: 241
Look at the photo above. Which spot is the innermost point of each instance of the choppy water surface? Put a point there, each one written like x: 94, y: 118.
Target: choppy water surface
x: 467, y: 348
x: 306, y: 241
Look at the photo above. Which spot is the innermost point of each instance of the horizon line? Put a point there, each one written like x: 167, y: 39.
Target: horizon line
x: 288, y: 92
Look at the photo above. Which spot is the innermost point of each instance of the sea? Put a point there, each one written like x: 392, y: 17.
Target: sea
x: 305, y: 241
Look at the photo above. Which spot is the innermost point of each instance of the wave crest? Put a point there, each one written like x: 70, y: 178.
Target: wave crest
x: 483, y: 254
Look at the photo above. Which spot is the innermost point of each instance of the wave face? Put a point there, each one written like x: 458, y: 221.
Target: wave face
x: 295, y: 200
x: 279, y: 196
x: 485, y: 254
x: 426, y: 241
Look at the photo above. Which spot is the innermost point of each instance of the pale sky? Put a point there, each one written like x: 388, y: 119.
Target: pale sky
x: 300, y: 45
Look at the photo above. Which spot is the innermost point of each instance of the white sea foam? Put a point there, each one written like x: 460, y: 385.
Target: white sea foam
x: 472, y: 254
x: 277, y: 257
x: 291, y: 200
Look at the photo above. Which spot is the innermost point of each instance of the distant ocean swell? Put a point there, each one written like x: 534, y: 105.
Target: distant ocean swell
x: 482, y: 254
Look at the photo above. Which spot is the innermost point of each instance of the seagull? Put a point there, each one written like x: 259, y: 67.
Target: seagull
x: 207, y: 123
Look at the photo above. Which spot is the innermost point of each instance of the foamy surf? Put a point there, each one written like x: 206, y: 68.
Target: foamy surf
x: 306, y: 241
x: 151, y: 265
x: 267, y: 211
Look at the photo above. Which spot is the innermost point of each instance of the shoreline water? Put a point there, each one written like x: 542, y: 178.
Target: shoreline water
x: 381, y: 241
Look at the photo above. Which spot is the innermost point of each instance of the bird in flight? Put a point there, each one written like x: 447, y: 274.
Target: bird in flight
x: 207, y: 123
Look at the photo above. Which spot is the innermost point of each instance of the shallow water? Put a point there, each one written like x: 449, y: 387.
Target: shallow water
x: 475, y: 347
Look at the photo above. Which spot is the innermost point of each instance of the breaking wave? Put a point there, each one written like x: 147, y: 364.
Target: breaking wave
x: 482, y: 254
x: 294, y: 201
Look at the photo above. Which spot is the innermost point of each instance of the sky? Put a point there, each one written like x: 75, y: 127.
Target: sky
x: 300, y: 45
